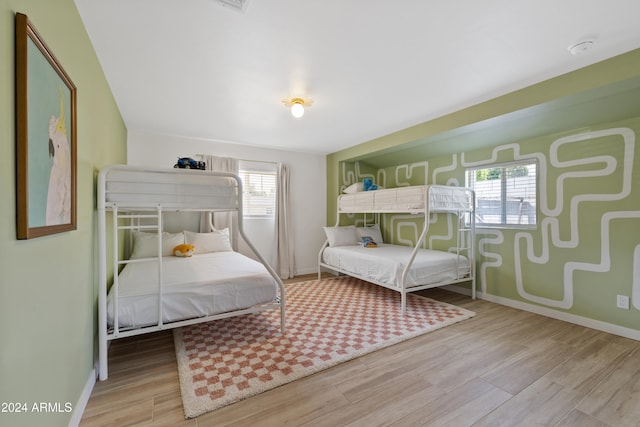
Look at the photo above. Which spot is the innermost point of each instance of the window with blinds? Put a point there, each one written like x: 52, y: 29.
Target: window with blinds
x: 258, y: 192
x: 505, y: 194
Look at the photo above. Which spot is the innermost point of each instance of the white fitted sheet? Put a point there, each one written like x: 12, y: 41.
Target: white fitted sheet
x: 385, y: 263
x: 202, y: 285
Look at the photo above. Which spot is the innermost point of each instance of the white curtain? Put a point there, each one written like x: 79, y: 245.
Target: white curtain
x: 284, y: 249
x: 220, y: 220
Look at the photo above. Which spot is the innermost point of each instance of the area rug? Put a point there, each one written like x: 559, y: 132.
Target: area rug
x: 329, y: 321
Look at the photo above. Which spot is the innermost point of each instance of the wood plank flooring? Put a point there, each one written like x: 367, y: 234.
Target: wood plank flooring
x: 504, y: 367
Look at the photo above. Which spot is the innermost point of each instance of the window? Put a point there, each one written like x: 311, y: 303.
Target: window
x: 505, y: 194
x: 258, y: 189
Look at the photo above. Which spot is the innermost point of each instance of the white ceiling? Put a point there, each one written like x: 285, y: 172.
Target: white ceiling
x: 195, y: 68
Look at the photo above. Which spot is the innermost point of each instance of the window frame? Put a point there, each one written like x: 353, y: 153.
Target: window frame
x: 243, y: 172
x: 503, y: 190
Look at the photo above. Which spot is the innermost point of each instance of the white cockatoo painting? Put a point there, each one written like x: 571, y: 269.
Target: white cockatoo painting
x: 59, y: 194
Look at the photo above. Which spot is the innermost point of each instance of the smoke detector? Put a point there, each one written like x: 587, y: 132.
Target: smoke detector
x: 581, y: 46
x: 237, y: 5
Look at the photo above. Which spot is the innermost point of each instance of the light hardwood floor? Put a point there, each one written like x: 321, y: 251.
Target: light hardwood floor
x: 504, y: 367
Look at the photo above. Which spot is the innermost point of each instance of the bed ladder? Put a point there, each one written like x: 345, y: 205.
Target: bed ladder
x: 464, y: 246
x: 152, y: 222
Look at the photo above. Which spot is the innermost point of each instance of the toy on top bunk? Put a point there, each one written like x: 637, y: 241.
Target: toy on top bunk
x: 368, y: 185
x: 189, y: 163
x: 184, y: 250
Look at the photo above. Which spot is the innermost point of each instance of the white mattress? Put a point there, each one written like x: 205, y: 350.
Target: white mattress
x: 408, y: 199
x: 204, y: 284
x: 385, y: 263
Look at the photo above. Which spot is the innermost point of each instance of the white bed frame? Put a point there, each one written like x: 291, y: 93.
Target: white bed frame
x: 423, y: 200
x: 138, y: 196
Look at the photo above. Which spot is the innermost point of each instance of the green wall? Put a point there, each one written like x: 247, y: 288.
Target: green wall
x: 583, y: 251
x: 48, y: 284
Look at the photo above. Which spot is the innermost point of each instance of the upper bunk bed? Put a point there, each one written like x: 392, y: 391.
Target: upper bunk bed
x: 418, y: 199
x: 403, y: 268
x: 154, y: 290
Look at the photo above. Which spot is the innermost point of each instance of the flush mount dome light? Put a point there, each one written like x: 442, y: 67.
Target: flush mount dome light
x: 297, y: 105
x: 297, y: 110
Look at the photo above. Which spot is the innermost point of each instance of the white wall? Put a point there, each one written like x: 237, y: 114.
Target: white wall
x: 308, y: 184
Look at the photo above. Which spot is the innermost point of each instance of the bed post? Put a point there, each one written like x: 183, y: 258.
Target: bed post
x: 472, y: 244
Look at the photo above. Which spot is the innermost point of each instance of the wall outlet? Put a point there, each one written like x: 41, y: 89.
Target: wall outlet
x: 623, y: 302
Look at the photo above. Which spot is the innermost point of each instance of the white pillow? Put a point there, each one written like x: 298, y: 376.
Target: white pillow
x: 216, y: 241
x: 341, y: 236
x: 145, y: 245
x: 372, y: 231
x: 354, y: 188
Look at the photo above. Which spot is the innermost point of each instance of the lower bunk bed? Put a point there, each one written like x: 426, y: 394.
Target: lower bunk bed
x: 196, y: 287
x: 403, y: 268
x: 152, y: 289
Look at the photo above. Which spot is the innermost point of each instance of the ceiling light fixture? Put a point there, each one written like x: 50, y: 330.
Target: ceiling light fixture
x: 297, y: 105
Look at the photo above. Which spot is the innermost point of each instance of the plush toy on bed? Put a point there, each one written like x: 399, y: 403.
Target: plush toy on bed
x: 369, y: 185
x: 183, y: 250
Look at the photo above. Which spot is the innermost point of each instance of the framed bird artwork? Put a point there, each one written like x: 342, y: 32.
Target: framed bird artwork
x: 45, y: 138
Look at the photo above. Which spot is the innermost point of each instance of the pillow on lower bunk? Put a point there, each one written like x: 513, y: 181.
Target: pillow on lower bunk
x: 145, y: 244
x: 216, y: 241
x: 372, y: 231
x: 341, y: 236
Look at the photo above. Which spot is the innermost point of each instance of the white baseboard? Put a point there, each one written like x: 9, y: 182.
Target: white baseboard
x: 81, y: 404
x: 554, y: 314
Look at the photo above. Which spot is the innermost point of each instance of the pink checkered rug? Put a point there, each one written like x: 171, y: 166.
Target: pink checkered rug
x: 329, y: 321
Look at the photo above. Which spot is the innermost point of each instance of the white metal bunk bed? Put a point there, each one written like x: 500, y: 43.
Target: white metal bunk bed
x: 183, y: 291
x: 403, y: 268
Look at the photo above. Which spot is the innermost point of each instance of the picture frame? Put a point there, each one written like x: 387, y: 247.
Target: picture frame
x: 46, y: 147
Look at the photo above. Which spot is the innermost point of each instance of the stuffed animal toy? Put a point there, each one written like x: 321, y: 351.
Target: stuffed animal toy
x: 183, y: 250
x: 369, y: 185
